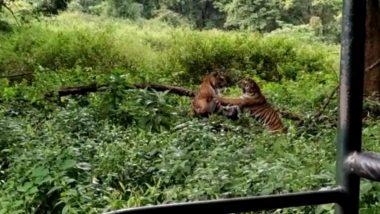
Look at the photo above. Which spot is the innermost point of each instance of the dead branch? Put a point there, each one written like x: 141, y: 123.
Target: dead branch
x: 326, y: 103
x: 77, y: 90
x: 172, y: 89
x: 376, y: 63
x: 85, y: 89
x: 290, y: 115
x: 15, y: 75
x: 333, y: 92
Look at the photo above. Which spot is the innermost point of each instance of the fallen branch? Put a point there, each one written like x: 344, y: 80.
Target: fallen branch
x: 77, y: 90
x: 290, y: 115
x: 15, y: 75
x: 172, y: 89
x: 326, y: 103
x: 85, y: 89
x: 333, y: 92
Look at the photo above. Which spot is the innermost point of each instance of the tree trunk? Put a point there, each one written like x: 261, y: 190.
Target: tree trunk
x: 372, y: 50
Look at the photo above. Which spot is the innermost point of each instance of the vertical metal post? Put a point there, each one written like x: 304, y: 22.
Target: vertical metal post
x: 351, y: 100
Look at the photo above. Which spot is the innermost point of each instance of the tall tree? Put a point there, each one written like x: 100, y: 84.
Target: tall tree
x: 125, y: 8
x: 203, y: 13
x: 149, y: 7
x: 49, y: 7
x: 372, y: 50
x: 255, y: 15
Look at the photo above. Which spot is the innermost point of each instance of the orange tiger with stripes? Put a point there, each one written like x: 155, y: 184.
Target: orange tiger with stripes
x: 254, y: 101
x: 205, y: 102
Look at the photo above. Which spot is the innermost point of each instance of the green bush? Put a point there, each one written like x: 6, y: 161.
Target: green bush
x: 71, y: 160
x: 166, y: 54
x: 122, y: 148
x: 270, y: 57
x: 75, y: 162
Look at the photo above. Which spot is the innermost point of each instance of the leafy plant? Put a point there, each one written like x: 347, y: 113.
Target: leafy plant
x: 125, y: 147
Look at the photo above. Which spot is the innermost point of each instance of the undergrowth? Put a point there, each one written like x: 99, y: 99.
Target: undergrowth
x: 124, y: 148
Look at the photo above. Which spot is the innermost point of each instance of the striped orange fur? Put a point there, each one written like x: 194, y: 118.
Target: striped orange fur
x: 254, y: 101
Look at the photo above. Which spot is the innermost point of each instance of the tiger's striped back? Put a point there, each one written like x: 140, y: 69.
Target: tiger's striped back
x: 269, y: 117
x: 263, y: 112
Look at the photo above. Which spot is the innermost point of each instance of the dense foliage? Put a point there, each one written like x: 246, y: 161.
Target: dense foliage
x: 123, y: 148
x: 319, y: 17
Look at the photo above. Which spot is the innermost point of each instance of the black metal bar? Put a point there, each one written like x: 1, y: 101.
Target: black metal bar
x: 365, y: 165
x: 246, y: 204
x: 351, y: 99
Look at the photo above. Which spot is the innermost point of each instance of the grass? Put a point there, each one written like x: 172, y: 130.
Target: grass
x: 126, y: 148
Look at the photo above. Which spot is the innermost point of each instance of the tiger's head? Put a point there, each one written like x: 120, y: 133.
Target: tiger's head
x: 216, y: 79
x: 249, y: 86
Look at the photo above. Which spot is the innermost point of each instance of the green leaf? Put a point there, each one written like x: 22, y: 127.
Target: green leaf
x: 67, y: 164
x: 365, y: 187
x: 59, y: 203
x: 266, y: 191
x: 54, y: 189
x: 65, y: 209
x: 25, y: 187
x: 70, y: 180
x: 323, y: 208
x: 41, y: 180
x: 9, y: 92
x: 33, y: 190
x: 40, y: 172
x: 18, y: 203
x: 84, y: 166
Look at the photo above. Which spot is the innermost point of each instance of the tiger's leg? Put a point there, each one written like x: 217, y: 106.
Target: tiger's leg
x: 231, y: 112
x: 201, y: 108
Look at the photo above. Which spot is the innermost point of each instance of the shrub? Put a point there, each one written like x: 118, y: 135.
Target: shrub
x: 270, y: 57
x: 124, y: 148
x: 168, y: 55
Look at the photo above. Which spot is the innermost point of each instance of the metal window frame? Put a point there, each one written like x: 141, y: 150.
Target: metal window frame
x: 351, y: 164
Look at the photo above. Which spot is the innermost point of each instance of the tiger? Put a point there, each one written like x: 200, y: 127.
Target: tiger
x: 205, y: 101
x: 255, y: 102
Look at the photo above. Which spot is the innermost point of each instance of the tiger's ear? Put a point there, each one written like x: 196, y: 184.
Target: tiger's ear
x: 221, y: 69
x: 215, y: 74
x: 254, y: 83
x: 241, y: 82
